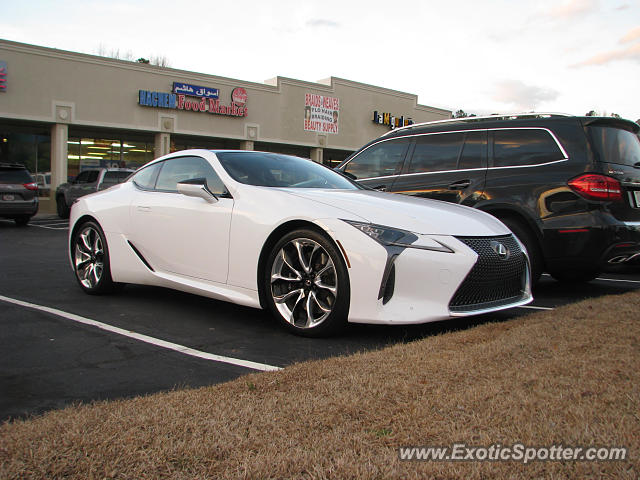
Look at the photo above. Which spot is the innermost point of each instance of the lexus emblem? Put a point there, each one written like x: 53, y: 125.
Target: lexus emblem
x: 502, y: 251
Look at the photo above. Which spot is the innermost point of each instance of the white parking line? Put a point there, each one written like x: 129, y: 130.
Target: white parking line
x: 535, y: 308
x: 617, y: 280
x: 144, y: 338
x: 66, y: 227
x: 602, y: 279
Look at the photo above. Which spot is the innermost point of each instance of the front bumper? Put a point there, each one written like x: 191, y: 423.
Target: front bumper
x: 424, y: 282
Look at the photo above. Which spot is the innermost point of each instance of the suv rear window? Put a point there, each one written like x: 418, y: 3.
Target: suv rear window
x: 14, y: 175
x: 615, y: 145
x: 522, y: 147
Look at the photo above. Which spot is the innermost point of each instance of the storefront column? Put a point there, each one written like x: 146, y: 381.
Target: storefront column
x: 246, y: 145
x: 162, y: 144
x: 316, y: 155
x: 59, y: 154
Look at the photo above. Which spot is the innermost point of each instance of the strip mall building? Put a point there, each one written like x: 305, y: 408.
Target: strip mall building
x: 62, y: 112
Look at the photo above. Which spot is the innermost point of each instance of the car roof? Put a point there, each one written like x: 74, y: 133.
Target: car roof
x: 502, y: 121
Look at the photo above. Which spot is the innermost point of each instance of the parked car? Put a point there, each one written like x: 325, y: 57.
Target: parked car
x: 88, y: 181
x: 44, y: 183
x: 286, y: 234
x: 18, y: 193
x: 568, y: 187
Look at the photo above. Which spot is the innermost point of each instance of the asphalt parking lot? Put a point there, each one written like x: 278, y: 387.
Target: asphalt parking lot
x: 59, y: 346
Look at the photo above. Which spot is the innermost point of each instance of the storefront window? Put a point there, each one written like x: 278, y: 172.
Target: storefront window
x: 84, y: 153
x: 183, y: 142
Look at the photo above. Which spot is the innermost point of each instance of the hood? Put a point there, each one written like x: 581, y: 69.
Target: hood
x: 418, y: 215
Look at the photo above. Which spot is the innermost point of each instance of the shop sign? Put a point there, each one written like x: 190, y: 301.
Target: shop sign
x: 194, y: 90
x: 391, y: 120
x: 3, y: 76
x: 179, y: 101
x: 321, y: 113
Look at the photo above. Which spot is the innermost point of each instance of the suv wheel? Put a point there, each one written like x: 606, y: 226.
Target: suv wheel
x: 525, y: 235
x: 575, y: 276
x: 63, y: 209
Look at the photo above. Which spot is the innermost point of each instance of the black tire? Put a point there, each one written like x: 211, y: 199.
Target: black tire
x: 62, y: 207
x: 575, y: 276
x: 530, y: 242
x: 22, y: 220
x: 90, y: 257
x: 306, y: 284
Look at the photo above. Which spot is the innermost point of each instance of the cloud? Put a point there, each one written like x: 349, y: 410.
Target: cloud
x: 633, y: 34
x: 321, y: 23
x: 631, y: 52
x: 522, y: 96
x: 573, y: 8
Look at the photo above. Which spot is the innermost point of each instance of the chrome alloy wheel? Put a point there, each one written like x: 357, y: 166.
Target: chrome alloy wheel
x: 304, y: 283
x: 88, y: 257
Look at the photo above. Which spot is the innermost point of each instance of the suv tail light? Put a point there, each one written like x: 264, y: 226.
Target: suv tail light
x: 597, y: 187
x: 30, y: 186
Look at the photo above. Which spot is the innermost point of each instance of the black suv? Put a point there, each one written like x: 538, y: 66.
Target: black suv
x: 18, y: 193
x: 568, y: 187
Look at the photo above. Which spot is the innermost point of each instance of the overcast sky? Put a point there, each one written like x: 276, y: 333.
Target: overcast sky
x: 494, y: 56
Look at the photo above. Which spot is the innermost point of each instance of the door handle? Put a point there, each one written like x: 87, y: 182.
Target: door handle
x: 143, y: 209
x: 381, y: 188
x: 460, y: 185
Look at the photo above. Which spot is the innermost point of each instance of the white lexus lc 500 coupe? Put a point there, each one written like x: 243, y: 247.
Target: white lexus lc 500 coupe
x: 291, y: 236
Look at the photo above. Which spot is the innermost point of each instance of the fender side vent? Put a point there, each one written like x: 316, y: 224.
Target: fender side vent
x: 142, y: 259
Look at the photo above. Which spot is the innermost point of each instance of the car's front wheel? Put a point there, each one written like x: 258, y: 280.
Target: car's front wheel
x: 306, y: 284
x: 90, y: 255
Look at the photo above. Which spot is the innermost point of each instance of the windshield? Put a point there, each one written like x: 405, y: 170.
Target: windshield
x: 615, y: 145
x: 276, y: 170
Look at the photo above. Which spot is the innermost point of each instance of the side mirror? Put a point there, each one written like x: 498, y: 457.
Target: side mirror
x: 197, y: 187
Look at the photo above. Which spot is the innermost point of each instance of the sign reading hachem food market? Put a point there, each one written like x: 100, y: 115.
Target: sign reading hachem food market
x: 321, y: 113
x: 196, y: 99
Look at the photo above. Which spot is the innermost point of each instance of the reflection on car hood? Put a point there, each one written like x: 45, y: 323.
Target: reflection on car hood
x: 418, y: 215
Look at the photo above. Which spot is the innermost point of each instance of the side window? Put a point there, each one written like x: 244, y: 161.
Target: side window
x: 474, y: 152
x: 379, y: 160
x: 435, y: 153
x: 83, y: 177
x: 93, y: 176
x: 113, y: 178
x: 176, y: 170
x: 521, y: 147
x: 146, y: 177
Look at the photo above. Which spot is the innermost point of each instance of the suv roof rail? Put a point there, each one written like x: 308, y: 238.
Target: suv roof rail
x: 512, y: 116
x: 12, y: 165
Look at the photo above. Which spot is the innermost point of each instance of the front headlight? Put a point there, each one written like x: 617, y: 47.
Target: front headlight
x: 388, y: 236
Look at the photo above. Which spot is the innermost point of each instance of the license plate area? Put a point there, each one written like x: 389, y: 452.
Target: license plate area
x: 635, y: 198
x: 8, y: 197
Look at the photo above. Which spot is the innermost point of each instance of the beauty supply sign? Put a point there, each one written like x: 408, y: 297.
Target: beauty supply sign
x: 321, y: 113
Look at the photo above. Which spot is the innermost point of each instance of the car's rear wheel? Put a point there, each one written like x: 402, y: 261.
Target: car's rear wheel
x: 90, y: 255
x: 306, y: 283
x: 62, y: 208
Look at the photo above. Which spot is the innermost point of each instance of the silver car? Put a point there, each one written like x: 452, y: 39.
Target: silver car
x: 88, y: 181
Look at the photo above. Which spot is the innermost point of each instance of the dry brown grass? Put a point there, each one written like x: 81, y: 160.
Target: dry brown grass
x: 570, y: 376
